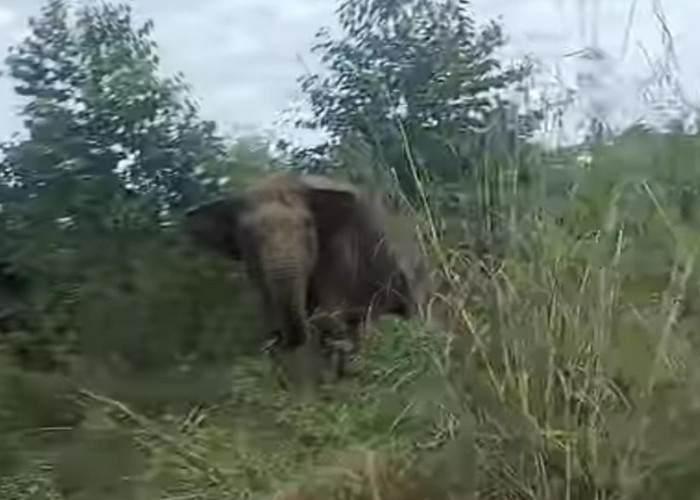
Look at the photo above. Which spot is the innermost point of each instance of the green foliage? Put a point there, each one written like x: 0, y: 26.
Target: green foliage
x: 113, y: 151
x: 413, y: 95
x: 104, y: 127
x: 116, y: 301
x: 415, y: 81
x: 246, y: 159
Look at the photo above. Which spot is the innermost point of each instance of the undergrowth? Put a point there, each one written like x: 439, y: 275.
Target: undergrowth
x: 565, y: 369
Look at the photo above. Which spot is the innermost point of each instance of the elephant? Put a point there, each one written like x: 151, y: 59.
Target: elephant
x: 313, y: 247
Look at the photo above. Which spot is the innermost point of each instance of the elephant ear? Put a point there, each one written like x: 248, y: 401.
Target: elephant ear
x: 214, y: 226
x: 333, y: 204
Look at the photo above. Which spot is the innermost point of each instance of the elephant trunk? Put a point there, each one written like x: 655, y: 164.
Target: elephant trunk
x: 286, y: 285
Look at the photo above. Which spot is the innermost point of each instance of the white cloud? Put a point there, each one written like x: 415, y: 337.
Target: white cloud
x: 7, y: 16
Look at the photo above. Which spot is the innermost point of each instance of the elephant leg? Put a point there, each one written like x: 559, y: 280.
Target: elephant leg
x: 272, y: 346
x: 353, y: 328
x: 353, y: 320
x: 339, y: 332
x: 330, y: 330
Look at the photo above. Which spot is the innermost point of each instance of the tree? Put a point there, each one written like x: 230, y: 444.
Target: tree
x: 418, y: 75
x: 112, y: 151
x: 103, y: 125
x: 247, y: 157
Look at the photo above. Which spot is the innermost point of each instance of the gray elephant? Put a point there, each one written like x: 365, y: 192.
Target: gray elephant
x: 313, y: 247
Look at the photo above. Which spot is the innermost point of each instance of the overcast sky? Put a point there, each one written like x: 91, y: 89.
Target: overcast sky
x: 242, y: 57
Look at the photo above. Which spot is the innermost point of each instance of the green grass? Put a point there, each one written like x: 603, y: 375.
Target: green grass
x: 570, y: 372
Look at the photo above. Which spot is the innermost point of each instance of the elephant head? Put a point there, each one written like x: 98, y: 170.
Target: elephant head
x: 275, y: 228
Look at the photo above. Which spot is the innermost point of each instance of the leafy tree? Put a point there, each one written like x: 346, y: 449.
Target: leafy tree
x: 112, y: 151
x: 103, y: 125
x: 112, y: 147
x: 416, y: 74
x: 246, y: 159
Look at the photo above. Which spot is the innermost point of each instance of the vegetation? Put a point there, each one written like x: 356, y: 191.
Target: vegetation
x: 563, y: 367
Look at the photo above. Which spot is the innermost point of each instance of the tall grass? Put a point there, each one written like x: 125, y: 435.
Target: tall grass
x: 565, y: 368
